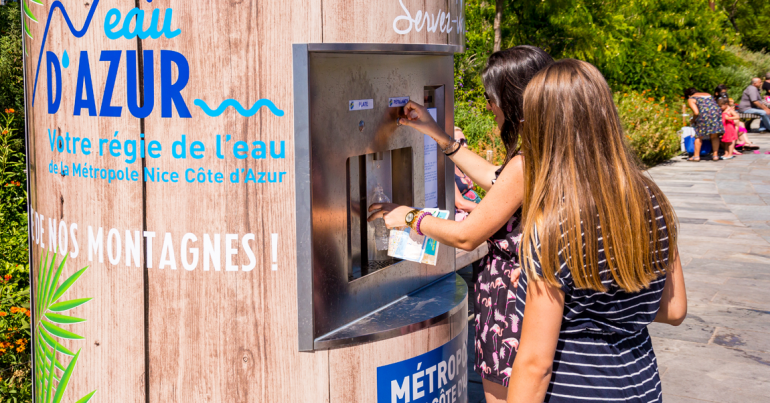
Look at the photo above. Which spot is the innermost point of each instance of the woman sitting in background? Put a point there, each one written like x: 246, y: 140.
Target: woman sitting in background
x: 743, y: 142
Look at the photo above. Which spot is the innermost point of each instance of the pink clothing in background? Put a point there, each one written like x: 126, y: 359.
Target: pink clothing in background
x: 730, y: 133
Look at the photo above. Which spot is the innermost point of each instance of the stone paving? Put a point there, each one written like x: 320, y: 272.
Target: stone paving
x: 721, y: 353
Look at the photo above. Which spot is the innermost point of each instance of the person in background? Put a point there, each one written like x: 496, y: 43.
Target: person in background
x: 720, y: 91
x: 495, y: 220
x: 708, y: 121
x: 598, y: 252
x: 466, y: 199
x: 728, y: 120
x: 751, y: 102
x: 743, y: 142
x: 766, y: 85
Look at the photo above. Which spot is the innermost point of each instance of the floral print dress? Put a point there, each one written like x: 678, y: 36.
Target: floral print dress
x: 709, y: 119
x: 497, y: 325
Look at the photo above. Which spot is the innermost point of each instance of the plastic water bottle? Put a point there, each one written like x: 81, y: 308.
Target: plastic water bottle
x: 381, y: 232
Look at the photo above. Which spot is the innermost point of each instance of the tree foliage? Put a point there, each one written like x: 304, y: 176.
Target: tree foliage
x: 751, y: 20
x: 662, y: 46
x: 11, y: 53
x: 654, y: 47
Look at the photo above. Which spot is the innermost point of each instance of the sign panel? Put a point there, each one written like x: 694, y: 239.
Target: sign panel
x: 397, y: 102
x: 440, y: 375
x: 360, y: 104
x: 431, y: 166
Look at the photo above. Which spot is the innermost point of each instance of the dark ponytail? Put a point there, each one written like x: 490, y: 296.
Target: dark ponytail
x: 505, y: 78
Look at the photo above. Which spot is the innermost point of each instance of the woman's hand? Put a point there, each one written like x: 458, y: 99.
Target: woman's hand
x: 393, y: 214
x: 418, y: 117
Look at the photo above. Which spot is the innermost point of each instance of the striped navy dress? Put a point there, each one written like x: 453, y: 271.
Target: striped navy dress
x: 604, y: 352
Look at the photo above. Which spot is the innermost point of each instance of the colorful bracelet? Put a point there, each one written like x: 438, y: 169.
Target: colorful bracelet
x: 419, y: 220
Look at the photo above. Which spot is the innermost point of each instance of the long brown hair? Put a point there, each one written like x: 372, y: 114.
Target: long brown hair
x: 578, y: 175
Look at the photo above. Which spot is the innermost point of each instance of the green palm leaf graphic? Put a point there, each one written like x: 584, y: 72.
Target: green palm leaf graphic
x: 67, y: 305
x: 28, y: 14
x: 51, y: 386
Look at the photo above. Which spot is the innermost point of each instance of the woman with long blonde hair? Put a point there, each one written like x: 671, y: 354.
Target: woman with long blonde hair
x: 598, y: 250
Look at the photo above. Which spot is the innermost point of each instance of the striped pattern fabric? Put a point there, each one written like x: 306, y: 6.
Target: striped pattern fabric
x: 748, y: 116
x: 604, y: 352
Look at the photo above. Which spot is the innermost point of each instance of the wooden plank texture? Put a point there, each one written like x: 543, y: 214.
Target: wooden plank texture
x: 393, y: 21
x: 207, y: 335
x: 111, y: 359
x: 221, y: 335
x: 353, y: 370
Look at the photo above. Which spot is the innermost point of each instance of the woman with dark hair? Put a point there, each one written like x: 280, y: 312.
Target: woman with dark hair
x: 720, y: 91
x: 707, y: 121
x: 496, y: 218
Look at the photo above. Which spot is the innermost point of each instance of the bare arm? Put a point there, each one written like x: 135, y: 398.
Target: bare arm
x: 691, y: 103
x: 495, y: 209
x: 539, y: 334
x: 463, y: 203
x: 759, y: 105
x: 478, y: 169
x: 673, y: 302
x: 481, y: 171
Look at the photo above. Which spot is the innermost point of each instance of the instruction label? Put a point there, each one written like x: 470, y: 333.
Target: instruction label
x: 430, y: 148
x: 397, y: 101
x: 360, y: 104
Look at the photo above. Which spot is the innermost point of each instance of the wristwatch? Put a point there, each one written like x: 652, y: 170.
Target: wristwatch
x: 411, y: 218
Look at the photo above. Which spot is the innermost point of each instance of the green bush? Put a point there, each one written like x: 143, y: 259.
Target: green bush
x: 15, y: 355
x: 13, y: 194
x: 11, y: 53
x: 738, y: 76
x: 15, y: 369
x: 650, y: 127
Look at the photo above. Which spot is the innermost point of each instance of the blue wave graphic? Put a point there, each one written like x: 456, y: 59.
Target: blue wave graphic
x: 238, y: 107
x: 78, y: 33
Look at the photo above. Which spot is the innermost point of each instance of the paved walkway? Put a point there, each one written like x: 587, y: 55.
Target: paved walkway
x: 721, y: 353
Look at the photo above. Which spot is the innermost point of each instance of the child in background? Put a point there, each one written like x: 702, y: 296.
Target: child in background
x: 743, y: 141
x: 728, y: 120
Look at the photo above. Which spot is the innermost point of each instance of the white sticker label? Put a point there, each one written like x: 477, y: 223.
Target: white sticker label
x: 397, y: 101
x: 360, y: 104
x: 430, y: 149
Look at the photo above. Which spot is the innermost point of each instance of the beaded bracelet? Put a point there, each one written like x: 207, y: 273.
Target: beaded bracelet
x: 419, y: 220
x: 454, y: 151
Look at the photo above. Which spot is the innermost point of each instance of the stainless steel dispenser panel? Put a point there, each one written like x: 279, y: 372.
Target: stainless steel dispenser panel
x: 337, y: 134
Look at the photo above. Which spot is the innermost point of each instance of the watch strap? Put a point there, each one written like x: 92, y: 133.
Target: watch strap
x: 411, y: 223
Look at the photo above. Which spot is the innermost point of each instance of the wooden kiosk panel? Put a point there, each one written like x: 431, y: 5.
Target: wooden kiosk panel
x: 174, y: 315
x: 396, y: 21
x: 114, y: 324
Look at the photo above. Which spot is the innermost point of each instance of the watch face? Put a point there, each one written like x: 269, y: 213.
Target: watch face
x: 409, y: 216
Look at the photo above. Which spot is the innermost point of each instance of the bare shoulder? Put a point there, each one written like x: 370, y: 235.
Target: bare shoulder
x: 514, y: 169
